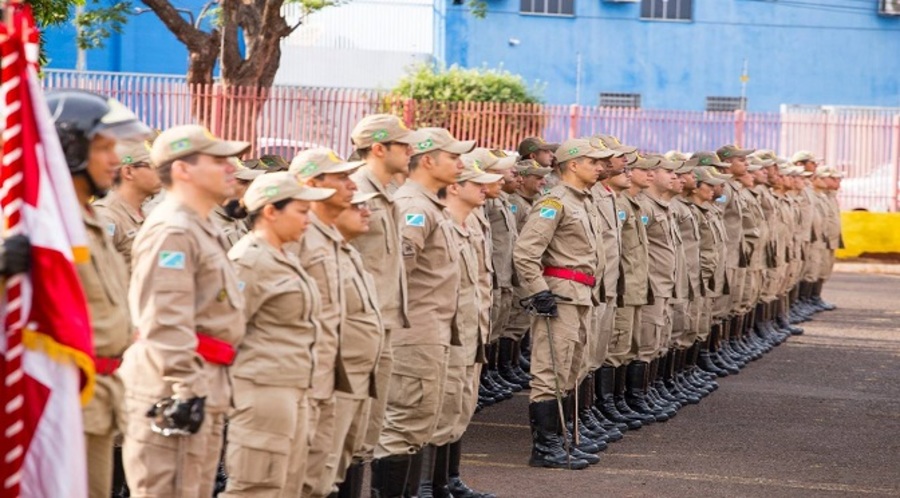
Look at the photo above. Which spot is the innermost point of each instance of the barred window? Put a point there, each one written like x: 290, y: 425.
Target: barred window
x: 611, y: 99
x: 667, y: 10
x: 548, y: 7
x: 725, y: 104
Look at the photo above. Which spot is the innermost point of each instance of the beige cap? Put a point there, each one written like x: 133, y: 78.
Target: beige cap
x: 614, y: 144
x: 314, y: 162
x: 663, y: 162
x: 804, y: 155
x: 706, y: 158
x: 382, y: 128
x: 532, y: 167
x: 599, y: 144
x: 248, y: 175
x: 726, y: 151
x: 361, y: 197
x: 765, y: 154
x: 274, y: 187
x: 706, y: 175
x: 184, y: 140
x: 718, y: 174
x: 472, y: 172
x: 646, y: 163
x: 441, y: 139
x: 761, y: 161
x: 683, y: 168
x: 133, y: 152
x: 488, y: 161
x: 580, y: 147
x: 676, y: 155
x: 530, y: 145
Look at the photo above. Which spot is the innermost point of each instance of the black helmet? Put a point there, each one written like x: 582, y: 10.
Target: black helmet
x: 80, y: 115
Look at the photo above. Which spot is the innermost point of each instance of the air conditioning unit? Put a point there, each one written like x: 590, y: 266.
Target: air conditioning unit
x: 889, y: 8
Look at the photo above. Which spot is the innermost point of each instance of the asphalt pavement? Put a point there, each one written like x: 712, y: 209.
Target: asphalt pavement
x: 819, y: 416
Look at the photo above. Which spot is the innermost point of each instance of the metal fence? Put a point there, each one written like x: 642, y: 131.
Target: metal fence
x: 864, y: 143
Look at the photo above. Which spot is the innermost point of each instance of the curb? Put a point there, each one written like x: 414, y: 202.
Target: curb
x: 881, y: 269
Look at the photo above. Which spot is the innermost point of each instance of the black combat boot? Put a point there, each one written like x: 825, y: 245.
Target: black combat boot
x: 706, y: 359
x: 521, y: 365
x: 654, y: 385
x: 505, y: 364
x: 585, y: 414
x: 493, y: 369
x: 457, y: 487
x: 547, y: 446
x: 608, y: 430
x: 675, y: 380
x: 492, y: 387
x: 606, y: 402
x: 817, y: 296
x: 637, y: 379
x: 440, y: 478
x: 694, y: 373
x: 784, y: 322
x: 426, y: 476
x: 658, y: 369
x: 585, y: 441
x: 389, y: 476
x: 352, y: 485
x: 621, y: 398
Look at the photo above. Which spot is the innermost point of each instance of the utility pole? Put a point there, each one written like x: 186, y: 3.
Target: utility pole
x: 745, y: 77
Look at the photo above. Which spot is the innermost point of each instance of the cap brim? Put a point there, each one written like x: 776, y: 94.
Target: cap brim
x: 413, y: 137
x: 624, y: 149
x: 225, y: 148
x: 754, y: 167
x: 459, y: 147
x: 684, y: 169
x: 342, y: 167
x: 314, y: 194
x: 361, y: 197
x: 712, y: 181
x: 600, y: 154
x: 548, y: 146
x: 248, y: 175
x: 503, y: 164
x: 485, y: 178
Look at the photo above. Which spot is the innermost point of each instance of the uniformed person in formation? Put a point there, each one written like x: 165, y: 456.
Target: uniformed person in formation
x: 320, y: 255
x: 541, y: 152
x: 231, y: 215
x: 89, y: 127
x: 189, y: 312
x: 558, y: 258
x: 272, y: 374
x: 421, y: 349
x: 136, y: 181
x: 362, y: 342
x: 461, y: 389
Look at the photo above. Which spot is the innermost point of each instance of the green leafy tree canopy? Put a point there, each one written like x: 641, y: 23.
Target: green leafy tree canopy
x: 455, y: 84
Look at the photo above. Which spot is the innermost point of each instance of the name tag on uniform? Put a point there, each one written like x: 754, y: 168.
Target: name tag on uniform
x: 415, y: 220
x: 513, y: 208
x: 111, y: 229
x: 171, y: 260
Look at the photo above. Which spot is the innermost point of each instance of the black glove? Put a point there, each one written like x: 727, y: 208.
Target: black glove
x: 15, y: 255
x: 543, y: 303
x: 175, y: 417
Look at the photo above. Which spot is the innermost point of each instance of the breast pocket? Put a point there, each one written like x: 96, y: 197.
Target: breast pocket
x: 449, y: 241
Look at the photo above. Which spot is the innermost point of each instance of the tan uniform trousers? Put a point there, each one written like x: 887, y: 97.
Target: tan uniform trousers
x: 700, y: 309
x: 383, y: 369
x: 166, y: 467
x: 627, y: 321
x: 268, y: 440
x: 414, y: 399
x: 656, y: 326
x: 351, y: 416
x: 470, y: 400
x: 322, y: 425
x: 771, y: 281
x: 519, y: 321
x: 460, y: 398
x: 603, y: 318
x: 682, y: 322
x: 827, y: 264
x: 750, y: 293
x: 501, y: 306
x: 104, y: 417
x: 813, y: 262
x: 736, y: 277
x: 569, y: 331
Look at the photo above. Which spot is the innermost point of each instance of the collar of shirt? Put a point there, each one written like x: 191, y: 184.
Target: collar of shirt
x: 370, y: 177
x: 429, y: 194
x: 329, y: 231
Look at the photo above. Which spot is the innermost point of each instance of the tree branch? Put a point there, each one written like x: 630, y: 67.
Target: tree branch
x: 195, y: 39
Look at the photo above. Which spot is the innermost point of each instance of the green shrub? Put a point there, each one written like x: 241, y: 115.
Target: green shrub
x: 455, y: 84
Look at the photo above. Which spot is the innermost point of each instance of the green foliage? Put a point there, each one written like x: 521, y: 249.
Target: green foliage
x: 478, y: 8
x: 455, y: 84
x: 97, y: 22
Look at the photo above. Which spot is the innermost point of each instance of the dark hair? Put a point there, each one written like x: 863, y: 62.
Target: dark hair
x: 364, y: 152
x: 254, y: 216
x: 414, y: 160
x: 442, y: 193
x: 164, y: 170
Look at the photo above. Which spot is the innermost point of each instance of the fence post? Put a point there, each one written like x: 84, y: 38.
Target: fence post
x: 740, y: 119
x: 409, y: 112
x: 574, y: 112
x: 895, y: 162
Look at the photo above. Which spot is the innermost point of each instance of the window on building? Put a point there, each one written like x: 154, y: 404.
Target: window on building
x: 548, y: 7
x: 725, y: 104
x: 609, y: 99
x: 666, y: 10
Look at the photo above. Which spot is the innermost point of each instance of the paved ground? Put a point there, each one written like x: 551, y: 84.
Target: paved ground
x: 818, y: 416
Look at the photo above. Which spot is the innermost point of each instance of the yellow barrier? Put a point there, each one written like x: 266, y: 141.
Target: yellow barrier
x: 866, y: 232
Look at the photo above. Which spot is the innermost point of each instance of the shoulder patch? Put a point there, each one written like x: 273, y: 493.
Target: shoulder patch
x: 110, y: 229
x: 548, y: 212
x: 415, y: 220
x: 171, y: 260
x: 645, y: 219
x: 551, y: 203
x: 722, y: 199
x: 622, y: 215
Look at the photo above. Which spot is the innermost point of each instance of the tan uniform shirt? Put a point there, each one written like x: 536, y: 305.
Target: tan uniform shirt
x: 768, y: 226
x: 688, y: 228
x: 520, y: 207
x: 660, y: 246
x: 610, y: 226
x: 380, y: 250
x: 807, y: 218
x: 105, y: 283
x: 835, y: 221
x: 122, y: 223
x: 362, y: 332
x: 732, y: 215
x: 708, y: 246
x: 430, y: 256
x: 782, y: 232
x: 232, y: 228
x: 634, y: 257
x: 281, y: 311
x: 717, y: 223
x: 319, y: 253
x: 562, y: 231
x: 480, y: 237
x: 182, y: 284
x: 503, y: 238
x: 755, y: 232
x: 468, y: 314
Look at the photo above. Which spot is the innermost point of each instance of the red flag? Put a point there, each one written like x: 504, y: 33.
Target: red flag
x: 47, y: 347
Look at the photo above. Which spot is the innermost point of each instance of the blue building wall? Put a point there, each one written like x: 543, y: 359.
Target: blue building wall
x: 840, y: 52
